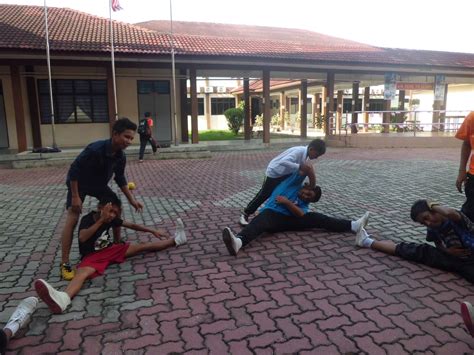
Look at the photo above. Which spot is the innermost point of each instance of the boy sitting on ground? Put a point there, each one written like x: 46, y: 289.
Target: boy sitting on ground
x: 450, y: 230
x: 287, y: 209
x: 98, y: 249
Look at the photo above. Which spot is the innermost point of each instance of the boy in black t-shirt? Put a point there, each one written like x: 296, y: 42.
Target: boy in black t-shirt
x: 98, y: 249
x: 451, y: 232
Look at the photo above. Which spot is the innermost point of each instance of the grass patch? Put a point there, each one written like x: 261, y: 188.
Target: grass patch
x: 222, y: 135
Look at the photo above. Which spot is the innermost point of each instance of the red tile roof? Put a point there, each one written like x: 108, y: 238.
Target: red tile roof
x: 22, y: 27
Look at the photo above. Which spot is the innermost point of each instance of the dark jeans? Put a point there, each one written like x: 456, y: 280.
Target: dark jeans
x: 431, y: 256
x: 468, y: 206
x: 143, y: 142
x: 269, y: 184
x: 272, y: 222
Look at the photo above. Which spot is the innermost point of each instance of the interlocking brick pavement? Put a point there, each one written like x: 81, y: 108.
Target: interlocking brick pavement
x: 308, y: 292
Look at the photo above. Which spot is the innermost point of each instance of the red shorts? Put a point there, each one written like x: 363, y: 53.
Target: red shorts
x: 99, y: 260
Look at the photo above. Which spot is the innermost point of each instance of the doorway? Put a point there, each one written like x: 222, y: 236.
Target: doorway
x: 154, y: 97
x: 3, y: 121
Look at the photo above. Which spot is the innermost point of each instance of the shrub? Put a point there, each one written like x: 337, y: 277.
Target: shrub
x: 235, y: 119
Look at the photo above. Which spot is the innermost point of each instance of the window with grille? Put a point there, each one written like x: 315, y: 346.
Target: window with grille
x: 220, y: 104
x: 75, y: 101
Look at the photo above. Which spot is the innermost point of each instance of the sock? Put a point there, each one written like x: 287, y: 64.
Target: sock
x: 367, y: 242
x: 238, y: 243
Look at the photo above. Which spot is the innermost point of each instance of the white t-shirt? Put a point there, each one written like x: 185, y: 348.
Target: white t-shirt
x: 287, y: 162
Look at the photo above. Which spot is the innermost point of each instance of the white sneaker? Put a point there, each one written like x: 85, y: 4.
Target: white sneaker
x: 362, y: 221
x: 467, y: 313
x: 232, y: 243
x: 180, y: 234
x: 360, y: 237
x: 244, y: 219
x: 21, y: 315
x: 57, y: 301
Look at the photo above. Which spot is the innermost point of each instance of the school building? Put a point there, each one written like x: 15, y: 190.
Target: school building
x: 310, y: 63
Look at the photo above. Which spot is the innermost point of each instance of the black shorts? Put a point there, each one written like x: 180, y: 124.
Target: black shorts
x: 97, y: 193
x: 431, y: 256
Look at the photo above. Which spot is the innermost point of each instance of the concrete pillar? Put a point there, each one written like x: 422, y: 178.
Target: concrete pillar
x: 247, y: 117
x: 366, y: 107
x: 18, y: 108
x: 183, y: 103
x: 401, y: 106
x: 304, y: 108
x: 194, y: 106
x: 355, y: 98
x: 329, y: 102
x: 207, y: 104
x: 314, y: 105
x: 340, y: 102
x: 283, y: 109
x: 288, y: 108
x: 32, y: 97
x: 266, y: 106
x: 386, y: 116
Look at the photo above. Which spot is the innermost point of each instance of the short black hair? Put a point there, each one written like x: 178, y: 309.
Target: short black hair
x: 317, y: 193
x: 318, y: 145
x: 110, y: 197
x: 418, y: 207
x: 122, y: 124
x: 147, y: 114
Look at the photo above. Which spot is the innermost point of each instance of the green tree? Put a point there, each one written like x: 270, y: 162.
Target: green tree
x: 235, y: 118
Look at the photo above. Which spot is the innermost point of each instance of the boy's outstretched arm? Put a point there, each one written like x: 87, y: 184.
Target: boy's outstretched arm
x: 140, y: 228
x: 295, y: 210
x: 308, y: 170
x: 136, y: 204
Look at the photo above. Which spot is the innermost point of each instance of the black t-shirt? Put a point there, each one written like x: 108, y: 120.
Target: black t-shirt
x: 102, y: 237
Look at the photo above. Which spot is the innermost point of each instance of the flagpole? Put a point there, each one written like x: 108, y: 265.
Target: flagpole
x: 113, y: 59
x: 173, y: 71
x: 53, y: 130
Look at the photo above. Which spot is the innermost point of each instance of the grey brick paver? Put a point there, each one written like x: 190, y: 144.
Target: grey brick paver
x: 309, y: 291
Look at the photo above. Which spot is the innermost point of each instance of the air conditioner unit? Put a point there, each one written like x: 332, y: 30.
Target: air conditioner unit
x: 208, y: 89
x: 221, y: 89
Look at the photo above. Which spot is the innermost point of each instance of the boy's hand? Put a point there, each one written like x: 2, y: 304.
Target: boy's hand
x: 282, y: 200
x: 458, y: 252
x: 462, y: 176
x: 159, y: 233
x: 76, y: 204
x: 137, y: 205
x: 305, y: 169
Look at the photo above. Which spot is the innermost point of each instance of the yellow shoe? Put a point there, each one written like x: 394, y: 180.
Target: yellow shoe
x: 67, y: 272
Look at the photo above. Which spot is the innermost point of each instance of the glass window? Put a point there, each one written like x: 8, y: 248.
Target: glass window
x: 220, y: 104
x: 75, y: 101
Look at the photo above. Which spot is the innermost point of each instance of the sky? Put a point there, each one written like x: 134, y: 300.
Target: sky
x: 412, y: 24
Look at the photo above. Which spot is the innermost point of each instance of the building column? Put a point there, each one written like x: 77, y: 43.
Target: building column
x: 304, y: 108
x: 266, y: 106
x: 355, y: 98
x: 283, y: 109
x: 32, y: 96
x: 194, y: 106
x: 401, y: 106
x: 387, y: 106
x: 340, y: 102
x: 207, y: 103
x: 111, y: 98
x: 442, y: 115
x: 247, y: 116
x: 183, y: 103
x: 329, y: 102
x: 18, y: 107
x: 366, y: 107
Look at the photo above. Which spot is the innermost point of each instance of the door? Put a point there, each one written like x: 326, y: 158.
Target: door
x: 154, y: 97
x: 3, y: 121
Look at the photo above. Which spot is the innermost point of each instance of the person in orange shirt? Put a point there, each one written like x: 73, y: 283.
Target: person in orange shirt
x: 466, y: 176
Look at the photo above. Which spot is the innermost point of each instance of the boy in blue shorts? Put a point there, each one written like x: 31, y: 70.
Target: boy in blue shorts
x: 287, y: 209
x: 98, y: 249
x: 89, y: 175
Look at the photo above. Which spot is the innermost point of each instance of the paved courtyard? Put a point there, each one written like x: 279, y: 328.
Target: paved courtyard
x: 307, y: 292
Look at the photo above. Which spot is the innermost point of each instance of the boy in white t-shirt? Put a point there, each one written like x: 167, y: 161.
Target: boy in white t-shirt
x: 279, y: 169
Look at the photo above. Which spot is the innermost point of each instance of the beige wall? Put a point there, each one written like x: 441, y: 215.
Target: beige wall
x: 79, y: 135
